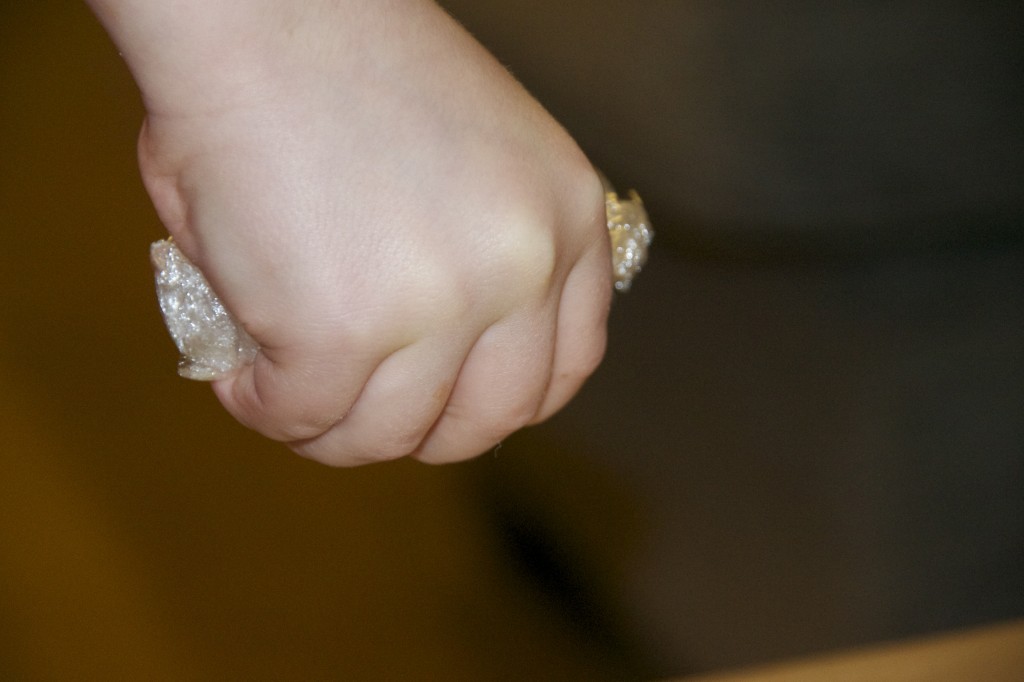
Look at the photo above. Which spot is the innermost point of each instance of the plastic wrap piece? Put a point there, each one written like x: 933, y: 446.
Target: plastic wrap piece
x: 212, y: 344
x: 631, y: 235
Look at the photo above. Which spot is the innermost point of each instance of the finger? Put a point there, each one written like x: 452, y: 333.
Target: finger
x: 396, y: 409
x: 582, y: 328
x: 295, y: 395
x: 499, y: 388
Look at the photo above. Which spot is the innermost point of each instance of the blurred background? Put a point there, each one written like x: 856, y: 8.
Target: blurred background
x: 808, y: 432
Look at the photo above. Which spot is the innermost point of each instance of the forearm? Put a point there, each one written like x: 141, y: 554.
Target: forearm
x: 184, y: 51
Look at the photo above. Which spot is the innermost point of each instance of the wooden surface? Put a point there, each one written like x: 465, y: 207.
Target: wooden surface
x: 992, y: 654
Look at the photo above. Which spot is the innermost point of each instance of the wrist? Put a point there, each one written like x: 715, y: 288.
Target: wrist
x: 190, y: 55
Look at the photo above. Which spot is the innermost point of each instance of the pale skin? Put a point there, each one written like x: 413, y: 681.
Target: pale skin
x: 417, y: 246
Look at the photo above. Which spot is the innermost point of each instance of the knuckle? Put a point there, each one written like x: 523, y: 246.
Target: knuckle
x: 526, y: 255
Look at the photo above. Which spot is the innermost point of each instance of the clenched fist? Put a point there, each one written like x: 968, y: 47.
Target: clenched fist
x: 419, y: 249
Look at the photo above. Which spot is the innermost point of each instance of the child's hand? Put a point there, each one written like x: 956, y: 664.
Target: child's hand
x: 418, y: 248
